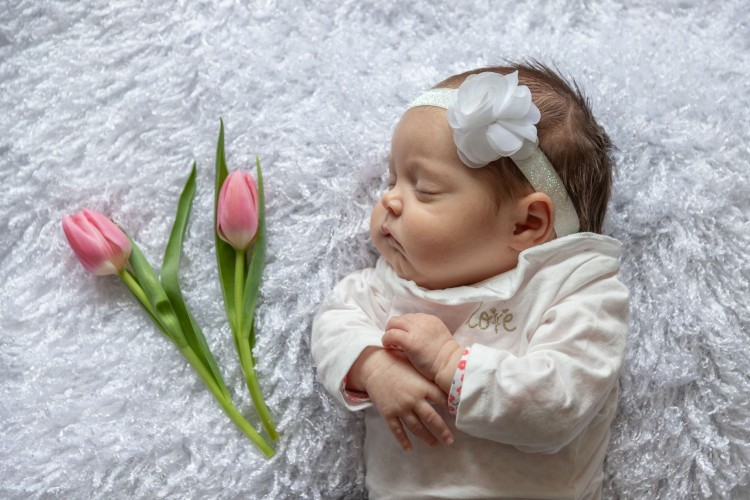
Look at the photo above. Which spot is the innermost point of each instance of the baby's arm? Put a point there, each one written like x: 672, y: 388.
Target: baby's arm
x: 427, y: 343
x: 401, y: 395
x: 350, y: 320
x: 541, y: 399
x: 346, y: 331
x: 538, y: 401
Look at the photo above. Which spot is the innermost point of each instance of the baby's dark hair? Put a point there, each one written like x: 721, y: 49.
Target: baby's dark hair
x: 576, y: 145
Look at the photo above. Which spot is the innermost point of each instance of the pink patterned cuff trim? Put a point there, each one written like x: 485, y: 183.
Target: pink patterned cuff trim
x: 454, y: 396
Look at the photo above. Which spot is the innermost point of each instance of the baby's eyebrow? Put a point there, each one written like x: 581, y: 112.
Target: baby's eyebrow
x: 427, y: 170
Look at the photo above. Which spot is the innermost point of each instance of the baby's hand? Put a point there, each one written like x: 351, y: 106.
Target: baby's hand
x: 427, y: 343
x: 402, y: 397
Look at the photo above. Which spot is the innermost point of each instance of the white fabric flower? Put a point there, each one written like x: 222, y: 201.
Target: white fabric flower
x: 492, y: 116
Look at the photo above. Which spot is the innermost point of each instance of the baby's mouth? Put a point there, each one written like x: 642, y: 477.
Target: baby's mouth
x: 391, y: 239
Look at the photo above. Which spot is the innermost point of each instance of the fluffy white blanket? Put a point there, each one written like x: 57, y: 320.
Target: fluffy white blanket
x: 105, y: 104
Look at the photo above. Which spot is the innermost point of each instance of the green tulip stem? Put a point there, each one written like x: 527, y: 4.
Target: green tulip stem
x: 239, y: 288
x: 251, y: 379
x: 138, y: 293
x: 227, y: 405
x: 246, y: 356
x: 134, y: 287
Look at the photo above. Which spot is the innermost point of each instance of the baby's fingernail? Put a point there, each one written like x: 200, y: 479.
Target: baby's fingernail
x: 449, y: 440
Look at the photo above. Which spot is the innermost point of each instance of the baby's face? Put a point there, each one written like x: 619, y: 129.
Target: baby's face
x: 437, y: 223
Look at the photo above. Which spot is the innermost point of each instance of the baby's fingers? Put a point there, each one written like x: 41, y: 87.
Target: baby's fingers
x: 415, y: 425
x: 399, y: 433
x: 433, y: 421
x: 394, y: 338
x: 397, y: 322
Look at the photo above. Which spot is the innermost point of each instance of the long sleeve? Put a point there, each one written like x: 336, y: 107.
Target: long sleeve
x: 541, y: 399
x: 351, y: 320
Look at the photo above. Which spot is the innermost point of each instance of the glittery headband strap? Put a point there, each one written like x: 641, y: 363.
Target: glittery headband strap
x: 441, y: 98
x: 528, y: 157
x: 543, y: 177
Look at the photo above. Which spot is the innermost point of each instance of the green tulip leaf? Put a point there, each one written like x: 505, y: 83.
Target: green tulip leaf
x: 257, y: 263
x: 170, y: 281
x: 225, y: 254
x: 162, y: 308
x: 138, y: 293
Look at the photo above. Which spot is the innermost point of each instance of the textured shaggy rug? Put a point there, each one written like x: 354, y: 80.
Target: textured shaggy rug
x: 105, y: 104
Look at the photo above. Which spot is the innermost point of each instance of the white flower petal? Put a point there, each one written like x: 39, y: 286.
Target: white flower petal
x: 466, y: 161
x: 485, y: 116
x: 509, y: 85
x: 455, y: 120
x: 521, y: 128
x: 471, y: 104
x: 512, y: 80
x: 477, y: 148
x: 491, y: 117
x: 503, y: 141
x: 517, y: 105
x: 515, y: 108
x: 534, y: 115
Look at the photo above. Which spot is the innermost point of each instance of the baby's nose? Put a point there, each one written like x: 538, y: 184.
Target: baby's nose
x: 392, y: 202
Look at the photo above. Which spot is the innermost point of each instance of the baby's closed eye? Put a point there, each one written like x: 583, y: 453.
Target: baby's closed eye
x: 429, y: 185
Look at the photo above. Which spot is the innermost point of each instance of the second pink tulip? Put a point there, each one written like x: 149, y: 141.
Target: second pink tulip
x: 237, y: 210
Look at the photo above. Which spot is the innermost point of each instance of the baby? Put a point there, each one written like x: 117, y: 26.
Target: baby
x: 488, y: 338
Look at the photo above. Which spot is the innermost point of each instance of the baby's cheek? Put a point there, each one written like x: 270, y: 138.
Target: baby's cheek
x: 434, y: 240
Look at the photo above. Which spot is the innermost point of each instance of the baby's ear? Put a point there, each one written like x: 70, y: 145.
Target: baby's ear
x: 534, y: 221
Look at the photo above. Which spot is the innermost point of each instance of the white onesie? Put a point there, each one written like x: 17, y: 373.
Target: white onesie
x: 540, y: 389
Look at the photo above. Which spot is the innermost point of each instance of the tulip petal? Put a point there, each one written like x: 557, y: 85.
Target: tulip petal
x: 108, y: 229
x: 238, y: 210
x: 98, y: 243
x: 117, y: 243
x: 86, y: 247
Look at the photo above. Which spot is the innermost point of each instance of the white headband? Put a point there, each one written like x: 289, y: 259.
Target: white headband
x: 491, y: 117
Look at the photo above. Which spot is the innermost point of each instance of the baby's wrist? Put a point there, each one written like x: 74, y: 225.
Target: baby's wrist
x: 451, y: 358
x: 361, y: 370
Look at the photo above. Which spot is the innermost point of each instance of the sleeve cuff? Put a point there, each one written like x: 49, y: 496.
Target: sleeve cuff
x: 454, y: 396
x: 353, y: 397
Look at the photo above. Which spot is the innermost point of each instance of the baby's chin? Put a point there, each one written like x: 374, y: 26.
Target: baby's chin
x: 406, y: 272
x: 398, y: 263
x: 404, y: 268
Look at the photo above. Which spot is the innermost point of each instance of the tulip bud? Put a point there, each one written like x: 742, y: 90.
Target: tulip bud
x: 98, y: 243
x: 237, y: 210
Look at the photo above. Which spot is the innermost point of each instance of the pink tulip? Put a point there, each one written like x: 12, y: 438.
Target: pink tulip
x: 237, y: 211
x: 98, y: 243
